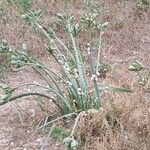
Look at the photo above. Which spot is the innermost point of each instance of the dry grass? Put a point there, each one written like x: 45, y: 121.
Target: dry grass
x: 118, y: 127
x: 124, y: 121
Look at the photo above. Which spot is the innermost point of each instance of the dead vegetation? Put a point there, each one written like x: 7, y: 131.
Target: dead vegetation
x: 124, y: 121
x: 123, y: 127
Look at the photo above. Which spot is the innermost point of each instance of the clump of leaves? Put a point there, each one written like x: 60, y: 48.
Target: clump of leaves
x: 5, y: 64
x: 33, y: 18
x: 71, y: 143
x: 118, y: 23
x: 59, y: 133
x: 143, y: 4
x: 135, y: 66
x: 91, y: 6
x: 4, y: 47
x: 143, y: 73
x: 25, y: 5
x: 69, y: 93
x: 7, y: 92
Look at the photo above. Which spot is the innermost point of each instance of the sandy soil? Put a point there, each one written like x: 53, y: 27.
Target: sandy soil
x: 13, y: 134
x: 121, y: 47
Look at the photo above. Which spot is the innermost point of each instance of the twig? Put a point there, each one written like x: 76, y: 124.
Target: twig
x: 46, y: 141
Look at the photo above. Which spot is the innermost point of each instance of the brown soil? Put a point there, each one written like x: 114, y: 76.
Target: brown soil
x: 122, y: 45
x: 13, y: 134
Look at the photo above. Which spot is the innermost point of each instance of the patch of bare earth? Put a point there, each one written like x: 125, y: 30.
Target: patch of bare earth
x: 122, y: 45
x: 18, y: 133
x: 15, y: 136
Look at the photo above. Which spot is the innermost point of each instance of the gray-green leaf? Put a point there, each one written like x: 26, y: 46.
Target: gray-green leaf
x: 135, y: 67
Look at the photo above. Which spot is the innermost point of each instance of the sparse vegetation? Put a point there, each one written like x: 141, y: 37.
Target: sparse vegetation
x: 82, y: 90
x: 142, y: 72
x: 143, y: 4
x: 75, y: 95
x: 118, y: 23
x: 24, y: 4
x: 59, y: 133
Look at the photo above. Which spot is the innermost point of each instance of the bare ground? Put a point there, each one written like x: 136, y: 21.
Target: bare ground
x: 20, y: 133
x: 122, y: 46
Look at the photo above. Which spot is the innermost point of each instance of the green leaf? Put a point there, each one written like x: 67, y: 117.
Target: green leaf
x: 60, y: 16
x: 64, y: 17
x: 143, y: 81
x: 51, y: 33
x: 33, y: 17
x: 114, y: 89
x: 4, y: 47
x: 59, y: 133
x: 74, y: 144
x: 19, y: 58
x: 71, y: 143
x: 7, y: 92
x: 135, y: 67
x: 75, y: 30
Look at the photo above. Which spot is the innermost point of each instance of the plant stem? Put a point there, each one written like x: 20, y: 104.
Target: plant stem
x: 97, y: 98
x: 24, y: 95
x: 46, y: 141
x: 67, y: 115
x: 99, y: 52
x: 75, y: 125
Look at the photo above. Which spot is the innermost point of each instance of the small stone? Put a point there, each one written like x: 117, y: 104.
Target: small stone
x: 28, y: 131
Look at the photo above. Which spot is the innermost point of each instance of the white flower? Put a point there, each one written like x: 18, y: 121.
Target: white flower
x: 88, y: 44
x: 94, y: 77
x: 69, y: 83
x: 61, y: 81
x: 88, y: 51
x: 79, y: 89
x: 97, y: 73
x: 80, y: 93
x: 40, y: 27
